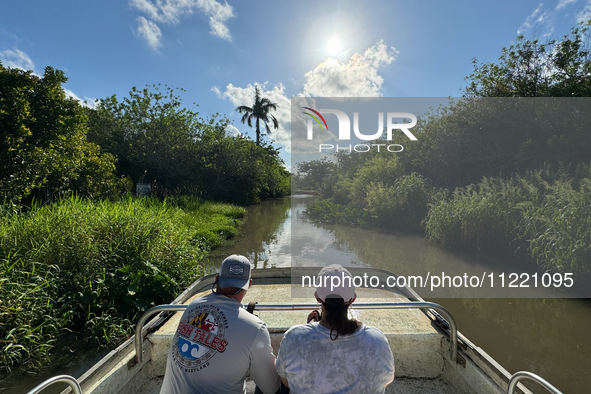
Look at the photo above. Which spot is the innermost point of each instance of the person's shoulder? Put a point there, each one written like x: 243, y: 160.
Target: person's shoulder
x: 250, y: 318
x: 301, y: 329
x: 296, y: 334
x: 207, y: 298
x: 371, y: 331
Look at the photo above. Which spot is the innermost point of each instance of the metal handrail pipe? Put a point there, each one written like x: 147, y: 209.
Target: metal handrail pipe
x: 521, y: 375
x: 58, y: 379
x: 140, y: 325
x: 299, y: 307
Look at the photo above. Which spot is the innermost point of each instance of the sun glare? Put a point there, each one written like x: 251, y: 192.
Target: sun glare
x: 333, y: 47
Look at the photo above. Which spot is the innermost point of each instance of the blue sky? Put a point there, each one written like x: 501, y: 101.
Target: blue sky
x: 217, y: 51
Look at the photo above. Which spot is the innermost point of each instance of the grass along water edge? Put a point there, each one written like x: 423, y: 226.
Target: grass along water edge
x: 93, y: 267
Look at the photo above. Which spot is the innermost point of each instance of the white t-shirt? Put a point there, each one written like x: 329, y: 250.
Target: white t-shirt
x: 311, y: 362
x: 216, y: 343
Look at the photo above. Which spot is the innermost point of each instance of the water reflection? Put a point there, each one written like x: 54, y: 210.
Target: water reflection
x: 265, y: 236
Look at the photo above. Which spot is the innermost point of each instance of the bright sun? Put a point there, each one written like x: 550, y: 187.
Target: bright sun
x: 333, y: 47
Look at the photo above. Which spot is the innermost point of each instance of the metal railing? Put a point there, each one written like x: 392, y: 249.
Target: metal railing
x: 58, y: 379
x: 517, y: 376
x: 140, y: 325
x: 453, y: 330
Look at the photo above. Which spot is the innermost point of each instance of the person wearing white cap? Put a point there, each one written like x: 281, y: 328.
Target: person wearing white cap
x: 218, y: 342
x: 335, y: 354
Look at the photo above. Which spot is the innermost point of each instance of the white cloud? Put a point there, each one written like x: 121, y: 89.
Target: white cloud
x: 232, y: 131
x: 357, y: 78
x: 245, y: 96
x: 86, y: 102
x: 16, y: 59
x: 171, y: 12
x: 537, y: 17
x: 216, y: 90
x: 585, y: 14
x: 564, y: 3
x: 150, y: 31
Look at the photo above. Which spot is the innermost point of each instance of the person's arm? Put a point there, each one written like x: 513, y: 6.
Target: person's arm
x: 262, y: 363
x: 280, y: 361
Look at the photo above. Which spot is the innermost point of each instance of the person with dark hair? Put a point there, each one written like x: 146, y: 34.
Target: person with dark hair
x: 218, y: 342
x: 335, y: 354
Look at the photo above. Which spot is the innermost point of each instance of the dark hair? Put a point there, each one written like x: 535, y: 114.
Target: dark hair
x: 335, y: 315
x: 229, y: 291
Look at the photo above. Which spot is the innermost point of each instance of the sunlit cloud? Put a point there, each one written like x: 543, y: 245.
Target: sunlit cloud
x: 16, y: 59
x: 564, y: 3
x: 150, y: 32
x: 536, y: 18
x: 86, y: 102
x: 172, y: 12
x: 585, y: 14
x: 358, y: 77
x: 216, y: 90
x: 232, y: 131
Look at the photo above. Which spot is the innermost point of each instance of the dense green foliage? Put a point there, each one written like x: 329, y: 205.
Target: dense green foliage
x: 478, y: 137
x: 94, y: 267
x: 160, y: 142
x: 53, y: 148
x: 530, y: 68
x: 43, y: 147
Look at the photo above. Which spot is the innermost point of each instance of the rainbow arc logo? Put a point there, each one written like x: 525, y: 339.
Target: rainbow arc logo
x: 315, y: 118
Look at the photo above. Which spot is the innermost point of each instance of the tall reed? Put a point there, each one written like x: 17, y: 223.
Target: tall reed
x: 94, y: 267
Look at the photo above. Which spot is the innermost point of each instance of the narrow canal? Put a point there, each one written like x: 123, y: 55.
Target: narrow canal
x: 550, y: 337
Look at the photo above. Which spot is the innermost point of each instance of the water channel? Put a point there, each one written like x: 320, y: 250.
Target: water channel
x: 550, y: 337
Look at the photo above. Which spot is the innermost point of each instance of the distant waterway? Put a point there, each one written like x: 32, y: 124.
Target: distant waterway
x: 550, y: 337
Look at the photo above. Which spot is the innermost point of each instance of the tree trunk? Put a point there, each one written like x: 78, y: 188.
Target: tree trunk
x: 258, y: 131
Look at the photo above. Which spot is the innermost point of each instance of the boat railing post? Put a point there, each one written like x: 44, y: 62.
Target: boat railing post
x: 521, y: 375
x: 73, y: 383
x: 140, y: 325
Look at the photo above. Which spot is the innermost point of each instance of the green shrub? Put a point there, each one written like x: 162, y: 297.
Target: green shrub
x: 402, y: 206
x: 558, y: 229
x: 327, y: 211
x: 94, y: 267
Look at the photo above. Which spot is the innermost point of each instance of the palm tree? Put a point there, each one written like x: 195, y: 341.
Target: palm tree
x: 259, y: 111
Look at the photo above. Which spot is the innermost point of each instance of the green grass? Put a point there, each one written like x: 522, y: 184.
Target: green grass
x: 93, y: 267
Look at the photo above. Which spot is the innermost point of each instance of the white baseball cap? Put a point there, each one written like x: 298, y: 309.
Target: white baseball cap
x: 337, y: 281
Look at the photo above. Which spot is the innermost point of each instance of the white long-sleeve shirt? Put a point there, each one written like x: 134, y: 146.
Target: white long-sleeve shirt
x: 216, y: 344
